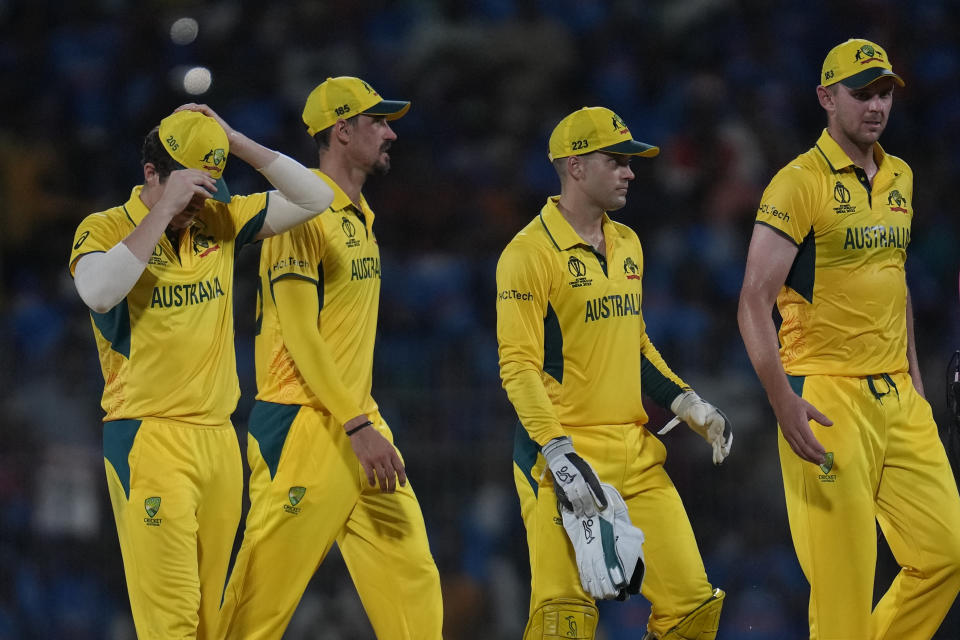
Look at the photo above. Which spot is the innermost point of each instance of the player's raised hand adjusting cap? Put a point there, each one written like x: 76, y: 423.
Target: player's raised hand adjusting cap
x: 197, y: 141
x: 345, y: 97
x: 856, y: 63
x: 595, y: 129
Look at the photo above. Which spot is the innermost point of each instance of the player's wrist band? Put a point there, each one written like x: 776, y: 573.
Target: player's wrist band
x: 362, y: 426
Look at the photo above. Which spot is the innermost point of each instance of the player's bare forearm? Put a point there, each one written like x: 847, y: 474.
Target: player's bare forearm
x: 184, y: 188
x: 250, y: 151
x: 768, y: 261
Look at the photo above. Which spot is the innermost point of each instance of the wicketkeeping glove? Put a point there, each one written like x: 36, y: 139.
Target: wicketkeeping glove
x: 705, y: 419
x: 608, y: 549
x: 576, y: 483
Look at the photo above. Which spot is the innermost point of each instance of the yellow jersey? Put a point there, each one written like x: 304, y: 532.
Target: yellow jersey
x: 573, y: 344
x: 844, y: 301
x: 337, y: 251
x: 166, y: 349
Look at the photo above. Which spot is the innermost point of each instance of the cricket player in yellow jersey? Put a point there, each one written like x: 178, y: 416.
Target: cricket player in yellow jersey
x: 574, y: 359
x: 157, y: 274
x: 857, y: 441
x: 323, y: 467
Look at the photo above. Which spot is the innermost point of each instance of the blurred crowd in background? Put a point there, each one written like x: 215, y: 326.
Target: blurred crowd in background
x: 724, y: 87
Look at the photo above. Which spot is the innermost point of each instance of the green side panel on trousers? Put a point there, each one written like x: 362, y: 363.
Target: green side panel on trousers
x: 525, y: 452
x: 796, y: 383
x: 118, y: 436
x: 269, y: 424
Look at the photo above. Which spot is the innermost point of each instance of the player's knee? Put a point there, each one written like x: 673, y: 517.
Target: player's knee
x: 700, y: 624
x: 563, y: 619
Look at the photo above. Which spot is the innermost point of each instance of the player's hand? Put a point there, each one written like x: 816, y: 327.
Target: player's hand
x: 577, y: 485
x: 707, y: 420
x: 377, y: 456
x: 794, y: 415
x: 207, y: 111
x: 185, y: 188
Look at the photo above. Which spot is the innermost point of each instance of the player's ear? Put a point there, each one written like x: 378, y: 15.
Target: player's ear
x: 827, y: 98
x: 342, y: 131
x: 150, y: 174
x: 575, y: 167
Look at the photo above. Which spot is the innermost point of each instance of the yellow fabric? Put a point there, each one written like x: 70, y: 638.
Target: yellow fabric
x: 319, y: 494
x: 166, y: 351
x: 561, y: 620
x: 853, y: 57
x: 631, y: 459
x: 337, y: 257
x: 345, y: 97
x: 703, y: 623
x: 592, y: 129
x: 175, y: 554
x: 551, y: 289
x: 888, y: 465
x: 844, y: 303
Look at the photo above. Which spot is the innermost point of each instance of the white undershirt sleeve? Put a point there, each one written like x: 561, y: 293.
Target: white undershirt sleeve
x: 104, y: 279
x: 300, y: 195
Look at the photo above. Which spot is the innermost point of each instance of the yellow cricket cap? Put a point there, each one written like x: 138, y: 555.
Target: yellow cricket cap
x: 197, y: 141
x: 856, y: 63
x: 345, y: 97
x: 595, y: 129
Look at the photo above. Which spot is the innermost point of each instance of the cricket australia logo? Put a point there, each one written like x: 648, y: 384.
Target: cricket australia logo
x: 294, y: 495
x: 152, y: 507
x: 349, y: 230
x: 897, y: 202
x: 204, y: 245
x: 579, y: 272
x: 213, y: 159
x: 619, y: 125
x: 630, y: 269
x: 826, y: 467
x: 866, y: 54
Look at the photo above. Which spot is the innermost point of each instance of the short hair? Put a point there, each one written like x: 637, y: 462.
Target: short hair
x: 155, y: 153
x: 322, y: 137
x: 560, y: 166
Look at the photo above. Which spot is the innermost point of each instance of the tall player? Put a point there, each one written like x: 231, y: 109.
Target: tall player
x: 857, y: 439
x: 157, y: 274
x: 574, y: 358
x: 323, y: 467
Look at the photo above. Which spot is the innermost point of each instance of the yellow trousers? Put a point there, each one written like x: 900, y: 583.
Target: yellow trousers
x: 888, y: 466
x: 631, y: 459
x: 176, y: 493
x: 307, y: 491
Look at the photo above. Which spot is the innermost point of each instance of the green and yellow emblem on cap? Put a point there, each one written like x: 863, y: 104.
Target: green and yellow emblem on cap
x: 197, y: 141
x: 345, y: 97
x: 856, y: 63
x: 595, y: 129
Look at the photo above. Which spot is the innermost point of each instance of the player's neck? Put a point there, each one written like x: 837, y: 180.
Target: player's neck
x: 585, y: 218
x: 348, y: 178
x: 860, y: 153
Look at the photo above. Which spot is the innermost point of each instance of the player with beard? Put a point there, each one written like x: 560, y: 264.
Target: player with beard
x: 322, y: 461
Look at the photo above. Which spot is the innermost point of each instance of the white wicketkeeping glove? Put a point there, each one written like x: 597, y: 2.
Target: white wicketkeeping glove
x: 705, y: 419
x: 575, y: 481
x: 608, y: 548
